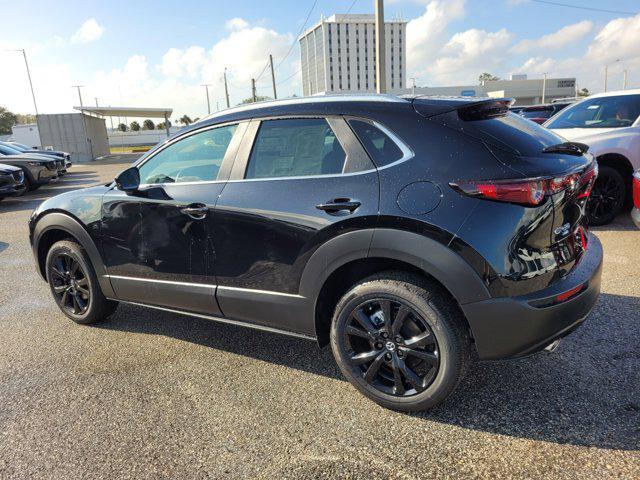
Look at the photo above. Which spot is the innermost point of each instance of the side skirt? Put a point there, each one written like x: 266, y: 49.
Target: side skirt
x: 222, y: 320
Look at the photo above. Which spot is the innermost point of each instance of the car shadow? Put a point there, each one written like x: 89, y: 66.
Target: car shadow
x: 583, y: 394
x: 622, y: 223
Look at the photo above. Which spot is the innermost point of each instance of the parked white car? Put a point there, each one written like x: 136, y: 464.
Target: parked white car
x: 610, y: 124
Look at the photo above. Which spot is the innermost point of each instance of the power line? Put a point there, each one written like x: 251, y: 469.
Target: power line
x: 351, y: 6
x: 290, y: 76
x: 299, y: 33
x: 579, y: 7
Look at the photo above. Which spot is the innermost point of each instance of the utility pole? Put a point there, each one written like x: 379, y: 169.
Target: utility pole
x: 544, y: 86
x: 413, y: 86
x: 96, y: 101
x: 624, y: 79
x: 206, y: 86
x: 253, y: 89
x: 273, y: 78
x: 381, y: 71
x: 226, y: 89
x: 33, y: 95
x: 606, y: 74
x: 79, y: 93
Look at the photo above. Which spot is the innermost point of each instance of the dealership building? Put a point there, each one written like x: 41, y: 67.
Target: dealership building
x: 525, y: 91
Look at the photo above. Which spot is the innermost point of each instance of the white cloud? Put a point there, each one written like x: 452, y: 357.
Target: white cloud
x: 470, y: 52
x: 88, y: 32
x: 564, y: 36
x: 614, y: 45
x: 178, y: 63
x: 236, y: 23
x: 426, y: 34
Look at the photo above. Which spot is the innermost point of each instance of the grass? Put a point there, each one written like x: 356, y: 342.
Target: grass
x: 133, y: 149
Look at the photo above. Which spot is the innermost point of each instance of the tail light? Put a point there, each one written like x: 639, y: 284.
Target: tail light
x: 531, y: 191
x: 636, y: 190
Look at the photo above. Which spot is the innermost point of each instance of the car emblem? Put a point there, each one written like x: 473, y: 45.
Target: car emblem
x: 390, y: 346
x: 563, y: 230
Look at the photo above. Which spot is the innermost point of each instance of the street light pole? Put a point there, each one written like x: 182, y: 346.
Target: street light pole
x: 413, y: 86
x: 226, y: 89
x: 26, y: 63
x: 544, y: 86
x: 206, y: 86
x: 624, y: 79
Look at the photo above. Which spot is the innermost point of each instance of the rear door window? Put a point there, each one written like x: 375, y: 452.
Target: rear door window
x: 380, y: 147
x: 295, y: 147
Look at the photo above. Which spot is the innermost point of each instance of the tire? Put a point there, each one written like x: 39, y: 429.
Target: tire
x: 607, y: 197
x: 27, y: 185
x: 416, y: 371
x: 74, y: 284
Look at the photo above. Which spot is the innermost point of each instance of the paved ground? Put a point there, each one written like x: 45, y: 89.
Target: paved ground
x: 151, y: 394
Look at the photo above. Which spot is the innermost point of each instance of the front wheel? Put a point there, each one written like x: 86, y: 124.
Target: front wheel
x: 401, y: 341
x: 607, y: 196
x: 74, y: 284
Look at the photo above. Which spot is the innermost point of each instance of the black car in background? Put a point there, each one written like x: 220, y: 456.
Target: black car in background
x: 38, y: 169
x: 409, y: 233
x: 11, y: 181
x: 62, y: 158
x: 542, y: 113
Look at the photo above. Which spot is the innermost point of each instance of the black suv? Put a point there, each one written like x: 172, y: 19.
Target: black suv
x: 412, y: 234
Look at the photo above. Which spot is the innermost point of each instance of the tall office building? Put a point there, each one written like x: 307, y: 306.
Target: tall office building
x: 338, y: 55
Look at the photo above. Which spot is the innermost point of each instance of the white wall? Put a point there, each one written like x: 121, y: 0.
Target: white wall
x: 27, y: 134
x: 141, y: 137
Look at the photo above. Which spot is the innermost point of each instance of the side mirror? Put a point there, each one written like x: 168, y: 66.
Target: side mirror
x: 129, y: 180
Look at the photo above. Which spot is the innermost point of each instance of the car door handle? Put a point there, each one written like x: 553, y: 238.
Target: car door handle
x: 197, y: 211
x: 339, y: 205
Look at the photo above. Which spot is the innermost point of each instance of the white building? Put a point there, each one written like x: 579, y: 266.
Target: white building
x: 338, y: 55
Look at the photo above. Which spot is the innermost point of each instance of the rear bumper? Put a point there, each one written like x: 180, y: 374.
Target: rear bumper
x: 510, y: 327
x: 635, y: 215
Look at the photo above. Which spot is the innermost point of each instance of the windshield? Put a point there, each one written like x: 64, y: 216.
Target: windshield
x: 4, y: 150
x: 603, y: 112
x: 541, y: 113
x: 19, y: 146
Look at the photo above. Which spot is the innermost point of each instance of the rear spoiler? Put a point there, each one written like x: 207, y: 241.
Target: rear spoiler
x: 467, y: 108
x: 569, y: 148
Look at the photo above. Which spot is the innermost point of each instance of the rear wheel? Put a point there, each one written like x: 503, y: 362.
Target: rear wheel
x: 607, y: 197
x: 74, y: 284
x: 400, y: 340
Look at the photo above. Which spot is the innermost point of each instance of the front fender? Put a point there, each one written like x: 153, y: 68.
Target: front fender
x: 66, y: 223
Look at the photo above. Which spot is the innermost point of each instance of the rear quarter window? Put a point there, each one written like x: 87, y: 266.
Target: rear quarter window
x: 381, y: 147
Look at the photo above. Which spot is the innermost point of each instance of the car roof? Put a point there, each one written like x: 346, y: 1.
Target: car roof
x: 304, y: 101
x: 616, y: 93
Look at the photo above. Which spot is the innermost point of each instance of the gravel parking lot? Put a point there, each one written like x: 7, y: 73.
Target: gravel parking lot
x: 151, y: 394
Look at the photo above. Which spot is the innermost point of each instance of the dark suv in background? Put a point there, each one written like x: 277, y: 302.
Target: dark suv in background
x: 409, y: 233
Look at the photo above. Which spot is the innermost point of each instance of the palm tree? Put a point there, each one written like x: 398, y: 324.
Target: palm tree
x: 185, y: 120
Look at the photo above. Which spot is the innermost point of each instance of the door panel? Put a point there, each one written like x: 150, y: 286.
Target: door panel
x: 158, y: 240
x: 266, y: 229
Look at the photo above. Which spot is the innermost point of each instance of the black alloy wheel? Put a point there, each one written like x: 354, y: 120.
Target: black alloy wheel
x: 74, y: 283
x: 392, y: 347
x: 401, y: 340
x: 70, y: 284
x: 607, y: 197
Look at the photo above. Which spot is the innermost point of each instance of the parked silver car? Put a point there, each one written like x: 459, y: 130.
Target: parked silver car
x: 11, y: 181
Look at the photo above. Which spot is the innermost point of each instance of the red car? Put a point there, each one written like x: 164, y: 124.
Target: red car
x: 635, y: 213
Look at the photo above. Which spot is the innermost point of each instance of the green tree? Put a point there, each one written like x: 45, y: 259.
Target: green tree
x: 148, y: 125
x: 122, y: 127
x: 26, y: 118
x: 7, y: 120
x: 485, y: 77
x: 185, y: 120
x: 160, y: 126
x: 583, y: 92
x: 196, y: 119
x: 259, y: 98
x: 135, y: 126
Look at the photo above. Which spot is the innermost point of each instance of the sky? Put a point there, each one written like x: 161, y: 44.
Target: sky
x: 158, y: 54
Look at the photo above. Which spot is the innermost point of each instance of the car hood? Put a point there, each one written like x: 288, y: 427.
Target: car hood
x: 8, y: 168
x: 583, y: 133
x: 26, y: 157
